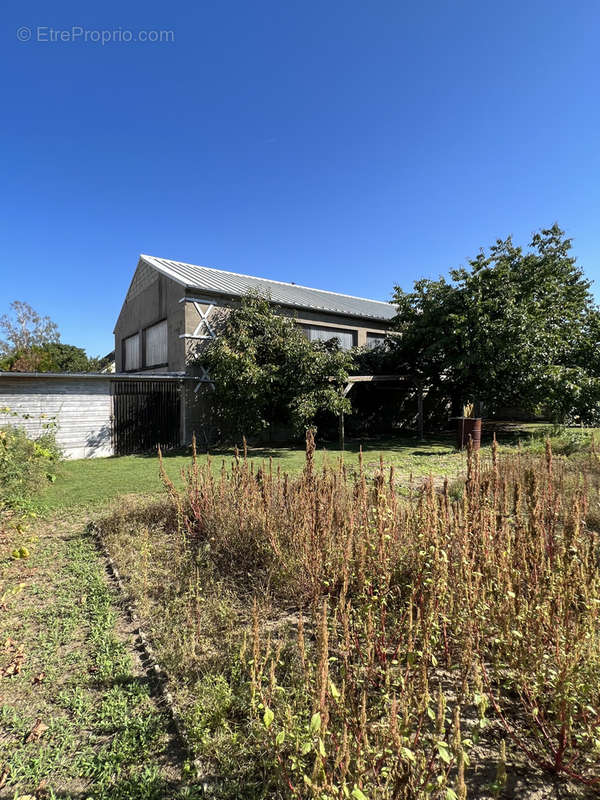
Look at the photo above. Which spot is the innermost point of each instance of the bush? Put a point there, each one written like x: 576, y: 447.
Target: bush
x: 565, y: 441
x: 26, y: 465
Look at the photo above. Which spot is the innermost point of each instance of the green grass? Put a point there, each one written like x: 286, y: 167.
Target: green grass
x: 94, y: 481
x: 106, y: 737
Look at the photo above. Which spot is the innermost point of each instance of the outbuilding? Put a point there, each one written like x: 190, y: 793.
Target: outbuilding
x: 95, y: 415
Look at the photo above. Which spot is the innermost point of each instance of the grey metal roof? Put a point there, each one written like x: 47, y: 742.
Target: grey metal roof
x: 232, y: 284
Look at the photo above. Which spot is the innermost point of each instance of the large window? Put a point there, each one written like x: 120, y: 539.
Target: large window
x: 375, y: 339
x: 346, y: 338
x: 156, y: 345
x: 131, y: 353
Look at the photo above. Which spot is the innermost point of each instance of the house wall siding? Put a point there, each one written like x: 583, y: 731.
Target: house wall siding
x: 80, y: 409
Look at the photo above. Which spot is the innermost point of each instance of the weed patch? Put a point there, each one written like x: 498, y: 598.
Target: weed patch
x: 329, y: 636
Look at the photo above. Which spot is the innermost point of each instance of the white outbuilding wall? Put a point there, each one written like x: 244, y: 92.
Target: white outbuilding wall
x: 81, y: 408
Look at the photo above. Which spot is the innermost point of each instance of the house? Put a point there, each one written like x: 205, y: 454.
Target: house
x: 172, y: 308
x: 107, y: 363
x: 171, y: 305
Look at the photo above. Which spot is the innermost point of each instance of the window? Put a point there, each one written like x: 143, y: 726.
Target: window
x: 156, y: 345
x: 375, y: 339
x: 131, y: 353
x: 346, y: 338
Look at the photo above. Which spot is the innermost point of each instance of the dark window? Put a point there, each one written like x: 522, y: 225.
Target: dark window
x: 346, y: 338
x: 375, y: 339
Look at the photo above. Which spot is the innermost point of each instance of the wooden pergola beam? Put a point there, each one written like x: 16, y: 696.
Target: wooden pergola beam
x: 352, y: 379
x: 364, y: 378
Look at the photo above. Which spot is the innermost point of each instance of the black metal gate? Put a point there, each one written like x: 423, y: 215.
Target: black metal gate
x: 146, y: 414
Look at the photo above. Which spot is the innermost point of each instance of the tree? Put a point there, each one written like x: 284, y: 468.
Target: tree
x: 512, y: 328
x: 266, y: 373
x: 32, y: 344
x: 50, y: 357
x: 25, y: 329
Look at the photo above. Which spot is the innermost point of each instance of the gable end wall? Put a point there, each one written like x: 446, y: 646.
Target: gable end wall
x: 152, y: 298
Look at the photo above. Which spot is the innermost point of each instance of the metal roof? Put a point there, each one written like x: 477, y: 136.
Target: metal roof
x: 233, y: 284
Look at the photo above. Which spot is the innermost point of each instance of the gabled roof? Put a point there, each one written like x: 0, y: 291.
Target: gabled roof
x: 233, y: 284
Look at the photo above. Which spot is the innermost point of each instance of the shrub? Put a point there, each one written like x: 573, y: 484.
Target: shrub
x: 26, y: 465
x: 564, y: 440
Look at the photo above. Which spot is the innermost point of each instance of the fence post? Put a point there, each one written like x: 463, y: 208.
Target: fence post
x: 420, y: 411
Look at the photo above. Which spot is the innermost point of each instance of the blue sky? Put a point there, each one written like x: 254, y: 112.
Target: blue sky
x: 345, y: 145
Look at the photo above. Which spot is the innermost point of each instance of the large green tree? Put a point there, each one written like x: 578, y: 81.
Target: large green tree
x: 267, y: 374
x: 514, y: 327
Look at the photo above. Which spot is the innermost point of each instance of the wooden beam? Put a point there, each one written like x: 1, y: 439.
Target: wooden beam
x: 372, y: 378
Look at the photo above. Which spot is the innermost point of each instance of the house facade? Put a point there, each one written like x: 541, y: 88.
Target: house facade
x: 172, y: 309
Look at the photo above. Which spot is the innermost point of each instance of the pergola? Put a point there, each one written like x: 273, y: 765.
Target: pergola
x: 354, y: 379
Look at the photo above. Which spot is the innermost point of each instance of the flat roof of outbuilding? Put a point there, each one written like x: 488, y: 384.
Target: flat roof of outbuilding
x: 110, y: 376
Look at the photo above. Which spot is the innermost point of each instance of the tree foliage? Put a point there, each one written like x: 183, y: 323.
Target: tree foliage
x: 25, y: 329
x: 513, y: 328
x: 50, y: 357
x: 267, y: 374
x: 32, y: 344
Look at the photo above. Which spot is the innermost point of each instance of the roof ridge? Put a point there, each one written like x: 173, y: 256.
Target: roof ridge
x: 145, y: 256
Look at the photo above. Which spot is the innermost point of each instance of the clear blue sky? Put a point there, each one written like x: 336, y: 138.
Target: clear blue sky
x: 345, y: 145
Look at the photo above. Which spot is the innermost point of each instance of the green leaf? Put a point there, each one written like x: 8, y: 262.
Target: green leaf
x: 408, y: 755
x: 442, y: 749
x: 280, y: 738
x: 315, y: 722
x: 451, y: 794
x: 268, y: 717
x: 358, y: 795
x: 334, y: 690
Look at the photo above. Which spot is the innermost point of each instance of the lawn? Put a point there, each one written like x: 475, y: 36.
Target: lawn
x: 92, y: 482
x: 77, y: 715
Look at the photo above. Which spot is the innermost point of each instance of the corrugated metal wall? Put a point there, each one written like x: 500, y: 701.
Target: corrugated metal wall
x: 81, y: 408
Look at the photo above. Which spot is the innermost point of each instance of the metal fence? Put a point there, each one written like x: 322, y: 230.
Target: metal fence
x: 146, y: 414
